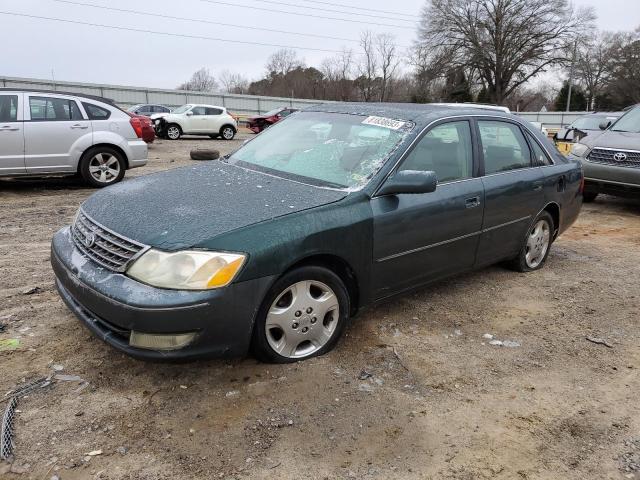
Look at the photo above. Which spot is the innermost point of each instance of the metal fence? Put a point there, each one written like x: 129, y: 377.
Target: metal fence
x: 243, y: 105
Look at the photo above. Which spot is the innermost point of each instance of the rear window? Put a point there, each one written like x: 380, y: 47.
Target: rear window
x: 51, y: 109
x: 95, y: 112
x: 8, y: 108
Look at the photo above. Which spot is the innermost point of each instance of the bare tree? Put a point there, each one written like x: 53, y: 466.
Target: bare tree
x: 337, y: 72
x: 506, y: 42
x: 368, y: 66
x: 595, y: 64
x: 233, y: 82
x: 201, y: 81
x: 283, y: 61
x: 389, y: 60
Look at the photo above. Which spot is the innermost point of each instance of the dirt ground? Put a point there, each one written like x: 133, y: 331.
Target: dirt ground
x: 414, y: 391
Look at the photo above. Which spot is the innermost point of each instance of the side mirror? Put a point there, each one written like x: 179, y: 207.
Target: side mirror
x: 605, y: 125
x: 188, y: 114
x: 410, y: 181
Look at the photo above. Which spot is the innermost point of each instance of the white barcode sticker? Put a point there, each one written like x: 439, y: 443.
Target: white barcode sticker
x: 384, y: 122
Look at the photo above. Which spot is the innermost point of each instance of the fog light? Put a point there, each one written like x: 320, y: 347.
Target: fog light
x: 154, y: 341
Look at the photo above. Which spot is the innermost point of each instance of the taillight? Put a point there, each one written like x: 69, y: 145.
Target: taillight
x: 136, y: 123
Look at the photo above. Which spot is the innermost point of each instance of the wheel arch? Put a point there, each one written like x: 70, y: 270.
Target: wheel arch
x: 554, y: 210
x: 104, y: 144
x: 224, y: 125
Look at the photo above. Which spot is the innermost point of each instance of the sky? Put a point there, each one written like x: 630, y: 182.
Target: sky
x: 42, y: 48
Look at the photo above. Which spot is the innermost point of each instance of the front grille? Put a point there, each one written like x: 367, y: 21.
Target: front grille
x: 103, y: 246
x: 608, y: 157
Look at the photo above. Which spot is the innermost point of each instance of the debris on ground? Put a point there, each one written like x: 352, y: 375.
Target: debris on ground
x: 599, y: 341
x: 32, y: 291
x: 9, y: 344
x: 364, y: 375
x: 68, y: 378
x: 3, y: 327
x: 488, y: 336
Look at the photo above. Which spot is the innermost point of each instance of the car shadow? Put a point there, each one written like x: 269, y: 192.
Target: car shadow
x: 43, y: 183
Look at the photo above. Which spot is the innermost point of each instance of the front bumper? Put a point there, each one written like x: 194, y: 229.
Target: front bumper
x: 610, y: 178
x: 111, y: 305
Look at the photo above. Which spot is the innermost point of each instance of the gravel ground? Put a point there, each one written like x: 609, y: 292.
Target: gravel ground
x: 414, y: 391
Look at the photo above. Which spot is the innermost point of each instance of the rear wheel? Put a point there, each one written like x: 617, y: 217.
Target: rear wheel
x: 174, y: 132
x: 228, y: 132
x: 536, y: 245
x: 302, y: 316
x: 588, y: 197
x: 102, y: 166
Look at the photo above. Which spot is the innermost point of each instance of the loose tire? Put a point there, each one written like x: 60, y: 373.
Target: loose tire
x: 174, y: 132
x: 588, y: 197
x: 227, y: 132
x: 203, y: 154
x: 302, y: 316
x: 102, y: 166
x: 536, y: 245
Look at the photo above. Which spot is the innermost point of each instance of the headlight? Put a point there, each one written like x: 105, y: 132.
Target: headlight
x: 580, y: 149
x: 186, y: 270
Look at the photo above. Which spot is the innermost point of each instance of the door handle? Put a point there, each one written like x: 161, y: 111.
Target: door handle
x: 9, y: 128
x: 472, y: 202
x: 81, y: 127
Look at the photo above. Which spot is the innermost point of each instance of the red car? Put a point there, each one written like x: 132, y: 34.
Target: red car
x: 260, y: 122
x: 143, y: 127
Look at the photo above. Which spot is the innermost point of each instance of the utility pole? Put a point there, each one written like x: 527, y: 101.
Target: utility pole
x: 573, y: 62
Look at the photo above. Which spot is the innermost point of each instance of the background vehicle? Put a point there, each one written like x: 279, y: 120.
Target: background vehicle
x: 355, y: 208
x: 193, y: 119
x: 46, y: 132
x: 611, y: 159
x: 260, y: 122
x: 148, y: 110
x: 148, y: 129
x: 584, y: 125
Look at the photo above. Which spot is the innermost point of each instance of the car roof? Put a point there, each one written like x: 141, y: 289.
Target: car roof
x: 205, y: 105
x: 419, y: 113
x: 61, y: 92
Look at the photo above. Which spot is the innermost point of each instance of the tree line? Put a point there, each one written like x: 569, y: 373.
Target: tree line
x: 488, y: 51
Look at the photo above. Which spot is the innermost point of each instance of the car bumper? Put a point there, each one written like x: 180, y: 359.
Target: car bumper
x: 138, y: 152
x: 610, y: 178
x: 112, y: 305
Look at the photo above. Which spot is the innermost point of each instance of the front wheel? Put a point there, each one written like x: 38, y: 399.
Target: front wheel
x: 302, y: 316
x: 536, y: 245
x: 174, y: 132
x: 102, y: 166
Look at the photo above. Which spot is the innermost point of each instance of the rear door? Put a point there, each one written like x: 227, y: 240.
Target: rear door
x: 422, y: 237
x: 55, y: 133
x: 513, y: 185
x: 214, y: 119
x: 11, y: 134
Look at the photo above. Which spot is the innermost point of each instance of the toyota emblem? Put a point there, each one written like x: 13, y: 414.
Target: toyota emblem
x: 90, y: 240
x: 620, y: 157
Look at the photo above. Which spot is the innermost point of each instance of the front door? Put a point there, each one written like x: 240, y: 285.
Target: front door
x: 52, y: 134
x: 513, y: 186
x: 11, y: 134
x: 197, y: 121
x: 422, y: 237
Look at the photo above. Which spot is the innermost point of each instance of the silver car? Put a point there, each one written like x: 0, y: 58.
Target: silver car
x: 45, y: 132
x: 611, y: 158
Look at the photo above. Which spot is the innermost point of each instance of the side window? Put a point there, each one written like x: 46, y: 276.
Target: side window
x: 213, y: 111
x: 504, y: 147
x: 95, y: 112
x: 8, y: 108
x: 539, y: 155
x: 199, y: 110
x: 53, y: 109
x: 163, y: 109
x: 446, y: 150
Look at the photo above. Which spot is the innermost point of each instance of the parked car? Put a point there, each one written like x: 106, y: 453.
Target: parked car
x: 193, y: 119
x: 260, y: 122
x: 45, y: 132
x: 541, y: 127
x: 611, y: 158
x: 148, y: 129
x: 341, y: 206
x: 148, y: 110
x: 584, y: 125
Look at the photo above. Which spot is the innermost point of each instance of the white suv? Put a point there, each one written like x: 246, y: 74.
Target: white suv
x: 193, y: 119
x: 46, y: 132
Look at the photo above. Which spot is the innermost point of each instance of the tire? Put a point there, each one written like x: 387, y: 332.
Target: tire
x: 173, y: 131
x: 288, y: 326
x: 536, y: 245
x: 588, y: 197
x: 204, y: 154
x: 102, y: 166
x: 227, y: 132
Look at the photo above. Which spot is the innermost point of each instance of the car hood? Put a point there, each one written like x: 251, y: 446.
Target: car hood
x: 614, y: 140
x: 186, y: 207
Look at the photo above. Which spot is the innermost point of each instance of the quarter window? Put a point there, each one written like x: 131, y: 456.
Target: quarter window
x: 539, y: 155
x: 504, y: 147
x: 213, y: 111
x: 8, y: 108
x: 95, y: 112
x: 445, y: 150
x: 53, y: 109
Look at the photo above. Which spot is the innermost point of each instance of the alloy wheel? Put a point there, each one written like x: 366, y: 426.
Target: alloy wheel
x: 173, y: 133
x: 537, y: 243
x: 104, y: 168
x: 227, y: 133
x: 302, y: 319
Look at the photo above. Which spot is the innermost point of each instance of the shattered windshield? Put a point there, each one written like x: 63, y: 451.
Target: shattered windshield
x: 327, y: 149
x: 182, y: 109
